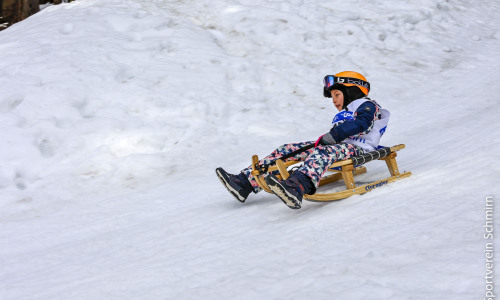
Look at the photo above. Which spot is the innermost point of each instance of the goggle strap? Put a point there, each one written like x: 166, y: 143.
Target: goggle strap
x: 349, y: 80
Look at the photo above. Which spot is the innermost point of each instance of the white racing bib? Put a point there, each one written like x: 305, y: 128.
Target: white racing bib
x: 368, y: 141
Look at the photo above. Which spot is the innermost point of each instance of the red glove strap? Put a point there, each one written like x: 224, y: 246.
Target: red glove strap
x: 317, y: 141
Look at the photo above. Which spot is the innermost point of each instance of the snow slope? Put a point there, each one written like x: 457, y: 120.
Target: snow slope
x: 114, y: 115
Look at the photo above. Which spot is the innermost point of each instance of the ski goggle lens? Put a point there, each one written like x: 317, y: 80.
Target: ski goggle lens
x: 329, y: 80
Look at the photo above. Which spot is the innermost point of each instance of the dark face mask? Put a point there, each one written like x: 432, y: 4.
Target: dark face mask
x: 350, y: 93
x: 353, y: 93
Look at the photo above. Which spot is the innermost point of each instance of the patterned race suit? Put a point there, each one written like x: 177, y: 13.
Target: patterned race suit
x: 316, y: 160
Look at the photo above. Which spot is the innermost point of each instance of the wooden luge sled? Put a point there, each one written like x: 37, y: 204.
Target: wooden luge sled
x: 345, y: 170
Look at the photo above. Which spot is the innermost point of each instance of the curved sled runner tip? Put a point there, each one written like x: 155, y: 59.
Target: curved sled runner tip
x: 345, y: 170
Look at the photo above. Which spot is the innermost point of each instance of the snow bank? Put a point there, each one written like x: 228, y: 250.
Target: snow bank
x: 114, y: 115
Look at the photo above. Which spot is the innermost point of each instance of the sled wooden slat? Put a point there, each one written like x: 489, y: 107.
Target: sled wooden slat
x: 282, y: 168
x: 344, y: 170
x: 348, y: 177
x: 392, y: 165
x: 256, y: 174
x: 337, y: 176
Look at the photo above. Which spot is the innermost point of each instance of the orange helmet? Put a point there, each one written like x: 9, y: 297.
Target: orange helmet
x: 348, y: 78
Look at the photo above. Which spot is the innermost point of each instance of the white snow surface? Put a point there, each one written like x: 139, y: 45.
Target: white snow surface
x: 114, y: 115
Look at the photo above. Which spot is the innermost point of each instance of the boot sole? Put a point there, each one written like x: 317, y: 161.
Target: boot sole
x: 283, y: 194
x: 229, y: 187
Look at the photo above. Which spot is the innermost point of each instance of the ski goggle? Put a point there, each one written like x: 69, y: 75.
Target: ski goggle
x: 330, y: 80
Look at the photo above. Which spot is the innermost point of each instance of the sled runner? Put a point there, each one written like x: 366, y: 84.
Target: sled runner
x: 344, y: 170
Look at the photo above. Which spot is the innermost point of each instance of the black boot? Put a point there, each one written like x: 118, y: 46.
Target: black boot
x: 237, y: 185
x: 290, y: 191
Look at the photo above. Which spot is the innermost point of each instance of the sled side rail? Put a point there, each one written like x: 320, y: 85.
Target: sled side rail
x: 346, y: 169
x: 368, y: 156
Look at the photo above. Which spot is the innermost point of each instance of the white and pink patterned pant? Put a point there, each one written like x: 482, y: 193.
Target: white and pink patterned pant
x: 316, y: 160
